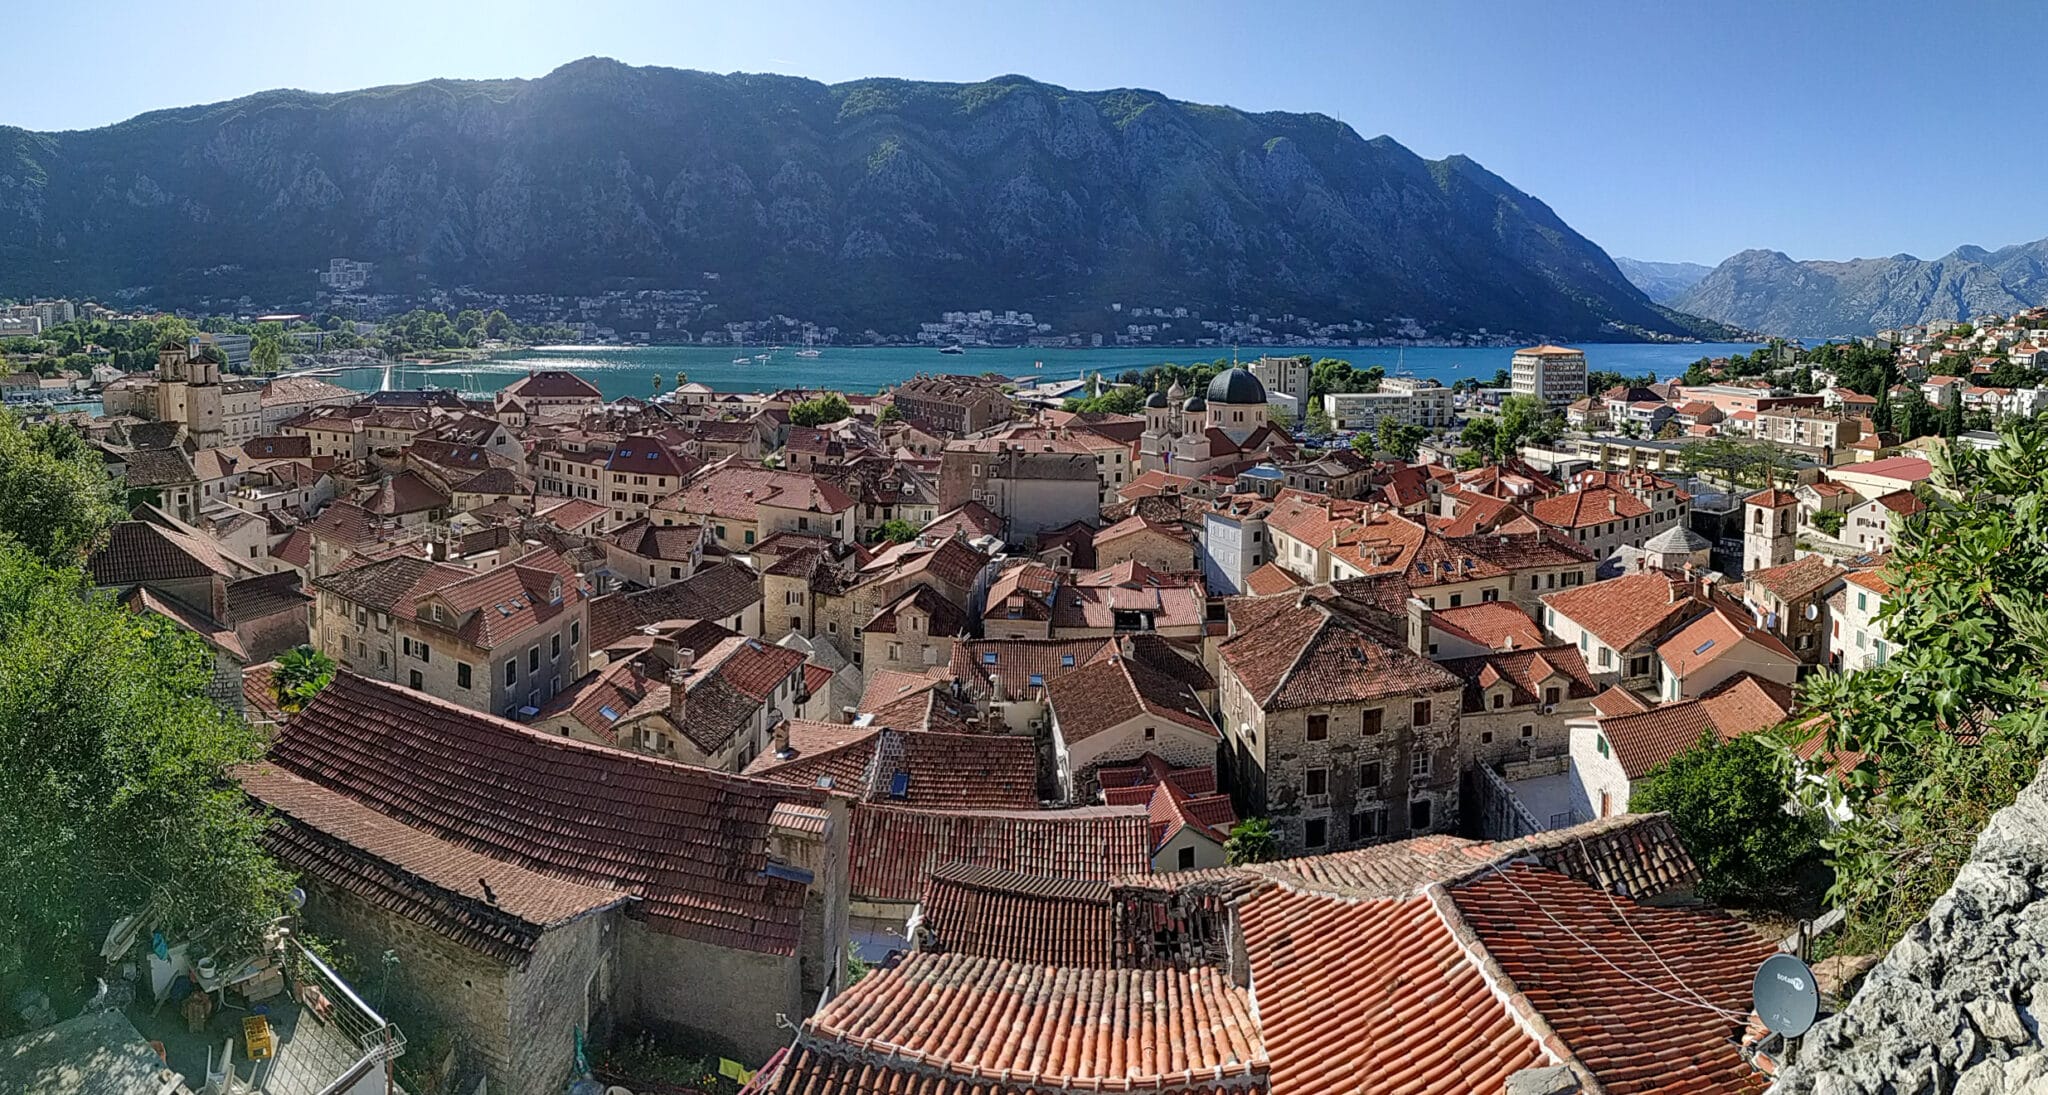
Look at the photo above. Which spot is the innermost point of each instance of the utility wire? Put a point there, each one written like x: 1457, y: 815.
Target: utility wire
x: 1596, y: 952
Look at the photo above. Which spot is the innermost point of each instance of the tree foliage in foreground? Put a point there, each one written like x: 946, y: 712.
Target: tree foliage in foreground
x: 1727, y: 800
x: 1952, y: 725
x: 822, y: 411
x: 112, y: 796
x: 55, y: 494
x: 1250, y: 841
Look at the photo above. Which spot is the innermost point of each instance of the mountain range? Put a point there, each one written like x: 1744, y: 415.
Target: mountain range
x: 1663, y: 282
x: 877, y: 203
x: 1770, y: 292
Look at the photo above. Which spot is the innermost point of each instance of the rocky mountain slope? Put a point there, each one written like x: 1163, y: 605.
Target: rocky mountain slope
x: 874, y: 203
x: 1663, y: 282
x: 1767, y: 291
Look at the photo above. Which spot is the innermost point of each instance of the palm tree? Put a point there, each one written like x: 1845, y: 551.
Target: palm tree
x: 301, y: 673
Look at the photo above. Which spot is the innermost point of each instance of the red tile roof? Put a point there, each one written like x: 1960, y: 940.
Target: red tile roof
x: 1797, y: 579
x: 691, y: 843
x: 1526, y: 673
x: 496, y: 907
x: 989, y: 913
x: 939, y: 771
x: 1295, y: 651
x: 553, y: 384
x: 1910, y: 468
x: 1106, y: 694
x: 1740, y: 705
x: 1623, y: 611
x: 1045, y: 1028
x: 1269, y: 579
x: 895, y: 848
x: 1495, y: 625
x: 1587, y: 507
x: 1369, y: 996
x: 1634, y: 1040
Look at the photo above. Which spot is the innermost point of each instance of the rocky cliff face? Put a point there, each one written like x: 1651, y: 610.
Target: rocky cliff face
x: 1767, y: 291
x: 1957, y: 1005
x: 877, y: 202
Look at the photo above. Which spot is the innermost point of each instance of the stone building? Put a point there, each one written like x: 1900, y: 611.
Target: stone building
x: 1194, y: 435
x: 1031, y: 485
x: 1332, y: 727
x: 188, y: 392
x: 952, y: 404
x: 501, y: 641
x: 538, y: 892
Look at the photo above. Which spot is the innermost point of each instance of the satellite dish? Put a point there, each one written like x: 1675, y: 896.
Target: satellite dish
x: 1813, y: 612
x: 1785, y: 996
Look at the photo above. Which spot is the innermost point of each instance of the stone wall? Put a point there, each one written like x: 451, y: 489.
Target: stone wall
x: 569, y: 983
x: 714, y: 996
x: 1956, y: 1007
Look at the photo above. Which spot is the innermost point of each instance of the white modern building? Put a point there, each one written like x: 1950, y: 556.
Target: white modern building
x: 1554, y: 374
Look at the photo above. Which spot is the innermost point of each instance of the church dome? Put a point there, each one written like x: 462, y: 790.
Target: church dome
x: 1236, y: 386
x: 1677, y: 540
x: 1156, y: 399
x: 1194, y: 404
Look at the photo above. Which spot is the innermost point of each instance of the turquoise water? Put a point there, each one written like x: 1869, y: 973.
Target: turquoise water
x: 629, y: 370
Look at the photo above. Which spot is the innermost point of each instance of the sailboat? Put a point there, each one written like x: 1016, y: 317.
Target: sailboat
x: 387, y: 378
x: 809, y: 350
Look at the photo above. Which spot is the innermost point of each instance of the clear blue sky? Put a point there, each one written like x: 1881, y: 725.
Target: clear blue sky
x: 1661, y: 129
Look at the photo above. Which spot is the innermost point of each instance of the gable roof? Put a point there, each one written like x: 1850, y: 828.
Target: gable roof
x: 1296, y: 651
x: 690, y: 843
x: 1623, y: 611
x: 1740, y: 705
x: 1106, y: 694
x: 894, y: 847
x: 933, y: 770
x: 990, y: 913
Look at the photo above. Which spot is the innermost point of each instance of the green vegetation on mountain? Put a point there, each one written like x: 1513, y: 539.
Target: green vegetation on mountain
x: 1769, y: 291
x: 875, y: 203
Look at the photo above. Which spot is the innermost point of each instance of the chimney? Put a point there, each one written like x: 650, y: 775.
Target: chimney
x: 678, y: 693
x: 665, y: 649
x: 996, y: 692
x: 781, y: 736
x: 1418, y: 626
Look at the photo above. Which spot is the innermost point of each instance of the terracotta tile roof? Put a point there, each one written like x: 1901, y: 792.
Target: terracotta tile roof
x: 1617, y: 700
x: 1173, y: 808
x: 157, y: 468
x: 1096, y: 607
x: 1526, y: 672
x: 296, y: 549
x: 157, y: 548
x: 945, y: 619
x: 493, y: 906
x: 1897, y: 467
x: 1017, y: 661
x: 672, y: 543
x: 1624, y: 611
x: 1588, y: 507
x: 894, y: 848
x: 690, y: 843
x: 973, y: 519
x: 951, y: 562
x: 347, y: 524
x: 1715, y: 635
x: 641, y: 455
x: 1106, y: 694
x: 1902, y: 502
x: 1872, y: 580
x: 394, y: 585
x: 1637, y: 856
x: 735, y: 491
x: 1269, y: 579
x: 1295, y: 651
x: 259, y: 692
x: 988, y: 913
x: 936, y: 771
x: 1368, y: 996
x: 719, y: 591
x: 1044, y: 1027
x: 1772, y: 498
x: 1633, y: 1041
x: 887, y: 686
x: 571, y: 514
x: 553, y: 384
x: 403, y: 493
x: 1740, y: 705
x: 1494, y: 625
x: 1798, y: 579
x: 216, y: 634
x: 1134, y: 524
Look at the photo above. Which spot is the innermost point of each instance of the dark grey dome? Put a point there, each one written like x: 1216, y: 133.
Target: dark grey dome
x: 1236, y: 386
x: 1156, y: 399
x: 1194, y: 403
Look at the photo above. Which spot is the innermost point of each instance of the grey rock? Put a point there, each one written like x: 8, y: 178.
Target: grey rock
x: 1997, y: 1019
x: 1554, y: 1080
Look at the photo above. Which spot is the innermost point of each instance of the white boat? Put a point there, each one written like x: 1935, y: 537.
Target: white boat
x: 951, y: 350
x: 762, y: 357
x: 809, y: 350
x: 741, y: 360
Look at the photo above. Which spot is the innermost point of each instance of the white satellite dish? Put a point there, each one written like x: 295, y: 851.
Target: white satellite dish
x: 1813, y: 612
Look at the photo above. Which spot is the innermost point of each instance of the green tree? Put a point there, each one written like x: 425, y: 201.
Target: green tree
x: 824, y: 410
x: 890, y: 413
x: 55, y: 494
x: 897, y: 531
x: 1281, y: 418
x: 1951, y: 725
x: 1316, y: 423
x: 1250, y: 841
x: 113, y: 794
x: 1741, y: 462
x: 1727, y: 801
x: 658, y: 378
x: 1113, y: 401
x: 301, y: 673
x: 266, y: 355
x: 1829, y: 521
x: 1394, y: 438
